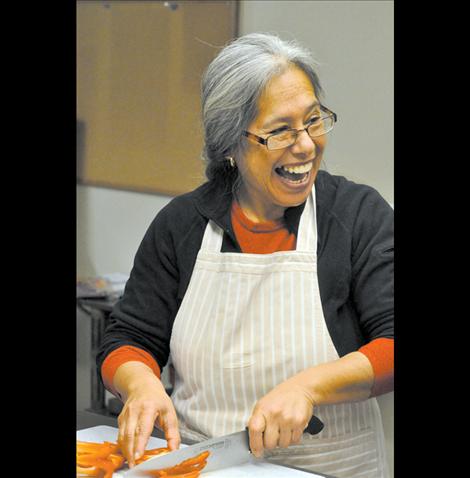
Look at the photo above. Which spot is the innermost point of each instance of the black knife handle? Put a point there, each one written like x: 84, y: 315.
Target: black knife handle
x: 315, y: 425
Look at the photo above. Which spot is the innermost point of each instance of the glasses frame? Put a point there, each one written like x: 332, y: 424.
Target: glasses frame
x: 264, y: 141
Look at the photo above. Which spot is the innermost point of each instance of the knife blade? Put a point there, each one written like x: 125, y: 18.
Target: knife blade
x: 226, y: 451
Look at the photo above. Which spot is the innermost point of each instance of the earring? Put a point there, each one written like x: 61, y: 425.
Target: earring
x: 231, y: 161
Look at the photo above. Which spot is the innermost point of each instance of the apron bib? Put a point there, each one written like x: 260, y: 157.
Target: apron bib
x: 247, y: 323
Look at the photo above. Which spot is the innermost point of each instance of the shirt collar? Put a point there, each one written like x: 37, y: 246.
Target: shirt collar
x: 215, y: 203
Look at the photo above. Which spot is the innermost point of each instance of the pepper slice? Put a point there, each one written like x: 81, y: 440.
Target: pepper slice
x: 98, y: 459
x: 190, y: 468
x: 151, y: 453
x: 92, y: 447
x: 92, y: 466
x: 90, y: 470
x: 103, y: 459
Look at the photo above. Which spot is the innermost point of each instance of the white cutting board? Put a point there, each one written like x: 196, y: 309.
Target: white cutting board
x: 255, y: 468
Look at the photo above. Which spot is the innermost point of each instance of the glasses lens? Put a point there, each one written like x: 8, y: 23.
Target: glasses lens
x: 281, y: 140
x: 284, y: 139
x: 321, y: 126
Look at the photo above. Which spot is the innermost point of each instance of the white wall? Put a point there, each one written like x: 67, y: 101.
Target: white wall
x: 353, y: 42
x: 110, y: 226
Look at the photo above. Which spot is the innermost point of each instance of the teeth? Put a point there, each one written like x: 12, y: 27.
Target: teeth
x: 305, y: 168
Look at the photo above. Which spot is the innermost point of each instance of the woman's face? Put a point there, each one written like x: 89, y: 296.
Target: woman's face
x: 267, y: 189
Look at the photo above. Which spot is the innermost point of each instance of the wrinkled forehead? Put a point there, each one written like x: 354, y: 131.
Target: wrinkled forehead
x: 288, y: 93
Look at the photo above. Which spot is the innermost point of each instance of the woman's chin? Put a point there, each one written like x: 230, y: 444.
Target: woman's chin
x: 293, y: 193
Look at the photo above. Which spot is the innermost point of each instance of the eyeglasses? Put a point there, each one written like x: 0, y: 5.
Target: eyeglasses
x: 318, y: 126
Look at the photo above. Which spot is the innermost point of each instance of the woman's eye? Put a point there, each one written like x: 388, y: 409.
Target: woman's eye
x: 278, y: 130
x: 314, y: 119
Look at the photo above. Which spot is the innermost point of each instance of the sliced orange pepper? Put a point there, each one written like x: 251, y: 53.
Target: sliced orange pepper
x: 90, y: 470
x: 191, y: 474
x: 187, y: 468
x: 157, y: 451
x: 183, y: 468
x: 96, y: 449
x: 87, y: 460
x: 197, y: 459
x: 98, y: 464
x: 118, y: 460
x: 107, y: 466
x: 92, y: 464
x: 151, y: 453
x: 91, y: 447
x: 103, y: 459
x: 176, y: 470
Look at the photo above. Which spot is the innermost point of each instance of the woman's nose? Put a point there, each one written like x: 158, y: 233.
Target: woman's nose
x: 304, y: 144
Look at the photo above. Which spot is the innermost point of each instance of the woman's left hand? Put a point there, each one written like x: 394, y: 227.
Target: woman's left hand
x: 280, y: 417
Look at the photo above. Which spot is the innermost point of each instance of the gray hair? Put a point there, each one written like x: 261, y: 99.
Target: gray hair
x: 231, y: 87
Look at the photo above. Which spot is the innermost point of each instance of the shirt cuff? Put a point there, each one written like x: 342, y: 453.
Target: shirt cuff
x: 380, y: 353
x: 126, y: 353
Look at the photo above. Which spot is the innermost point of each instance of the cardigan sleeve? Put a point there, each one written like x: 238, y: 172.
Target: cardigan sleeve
x: 372, y: 265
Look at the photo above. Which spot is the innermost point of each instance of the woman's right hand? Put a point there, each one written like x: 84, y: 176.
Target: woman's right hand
x: 146, y: 404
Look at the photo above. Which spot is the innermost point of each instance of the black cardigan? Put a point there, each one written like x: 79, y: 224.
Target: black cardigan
x: 355, y: 266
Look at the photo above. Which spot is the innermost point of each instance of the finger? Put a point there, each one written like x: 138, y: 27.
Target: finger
x: 271, y: 435
x: 296, y: 436
x: 169, y: 424
x: 256, y: 427
x: 142, y: 433
x: 285, y: 437
x: 126, y: 437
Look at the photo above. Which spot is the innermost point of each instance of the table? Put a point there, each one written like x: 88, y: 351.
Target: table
x: 87, y: 419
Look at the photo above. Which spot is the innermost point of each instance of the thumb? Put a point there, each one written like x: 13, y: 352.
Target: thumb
x: 169, y: 424
x: 256, y: 427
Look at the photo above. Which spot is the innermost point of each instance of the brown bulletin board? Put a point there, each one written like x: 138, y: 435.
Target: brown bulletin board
x: 139, y: 68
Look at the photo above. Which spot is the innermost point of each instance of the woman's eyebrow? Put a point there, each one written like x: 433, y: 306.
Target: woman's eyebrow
x: 285, y: 119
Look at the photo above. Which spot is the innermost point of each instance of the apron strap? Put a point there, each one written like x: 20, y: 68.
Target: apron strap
x: 307, y: 233
x: 213, y: 237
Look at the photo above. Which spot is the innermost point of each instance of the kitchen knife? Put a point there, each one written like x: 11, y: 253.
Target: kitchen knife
x: 229, y: 450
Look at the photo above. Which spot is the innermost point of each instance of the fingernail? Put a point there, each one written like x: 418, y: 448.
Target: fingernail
x: 136, y: 455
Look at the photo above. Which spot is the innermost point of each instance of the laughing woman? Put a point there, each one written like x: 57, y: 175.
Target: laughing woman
x: 270, y: 286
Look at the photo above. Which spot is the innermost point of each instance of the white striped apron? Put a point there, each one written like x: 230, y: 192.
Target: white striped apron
x: 248, y: 322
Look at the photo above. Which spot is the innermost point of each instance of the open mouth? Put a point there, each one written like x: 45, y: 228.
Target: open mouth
x: 295, y: 174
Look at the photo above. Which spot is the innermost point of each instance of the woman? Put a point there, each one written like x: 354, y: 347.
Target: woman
x: 271, y: 285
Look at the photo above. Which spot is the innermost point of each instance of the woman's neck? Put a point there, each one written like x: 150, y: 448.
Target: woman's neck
x: 257, y: 211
